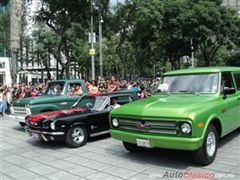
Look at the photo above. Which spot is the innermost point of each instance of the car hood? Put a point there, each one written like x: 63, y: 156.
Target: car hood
x: 58, y: 114
x: 37, y: 100
x: 171, y: 106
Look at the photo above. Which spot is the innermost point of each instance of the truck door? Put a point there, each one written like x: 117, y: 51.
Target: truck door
x: 237, y: 82
x: 230, y: 106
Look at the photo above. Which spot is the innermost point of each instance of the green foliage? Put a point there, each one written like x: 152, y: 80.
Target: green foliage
x: 5, y: 30
x: 139, y: 34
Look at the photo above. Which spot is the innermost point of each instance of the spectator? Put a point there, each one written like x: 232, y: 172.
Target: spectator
x: 93, y: 88
x: 114, y: 85
x: 78, y: 90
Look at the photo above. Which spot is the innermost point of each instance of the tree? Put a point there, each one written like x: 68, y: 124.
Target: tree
x: 212, y: 26
x: 5, y: 31
x: 60, y: 16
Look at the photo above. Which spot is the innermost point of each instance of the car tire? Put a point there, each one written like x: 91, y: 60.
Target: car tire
x: 76, y: 136
x: 22, y: 124
x: 206, y: 154
x: 132, y: 147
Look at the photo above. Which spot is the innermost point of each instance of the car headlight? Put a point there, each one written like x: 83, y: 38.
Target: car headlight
x: 52, y: 125
x: 186, y: 128
x: 28, y: 111
x: 115, y: 122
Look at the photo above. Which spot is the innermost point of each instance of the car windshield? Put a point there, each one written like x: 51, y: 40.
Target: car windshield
x: 91, y: 102
x: 189, y: 83
x: 55, y: 89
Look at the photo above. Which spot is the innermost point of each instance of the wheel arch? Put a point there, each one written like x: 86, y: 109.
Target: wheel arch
x: 218, y: 125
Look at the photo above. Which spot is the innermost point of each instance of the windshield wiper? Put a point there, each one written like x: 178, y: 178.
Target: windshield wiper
x: 189, y: 92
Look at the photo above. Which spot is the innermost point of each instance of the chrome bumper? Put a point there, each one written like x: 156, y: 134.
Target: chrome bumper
x: 18, y: 118
x: 42, y: 134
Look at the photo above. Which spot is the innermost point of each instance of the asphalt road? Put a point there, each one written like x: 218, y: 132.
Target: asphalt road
x: 23, y: 158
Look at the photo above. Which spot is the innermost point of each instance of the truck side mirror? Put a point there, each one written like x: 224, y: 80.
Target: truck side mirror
x: 227, y: 91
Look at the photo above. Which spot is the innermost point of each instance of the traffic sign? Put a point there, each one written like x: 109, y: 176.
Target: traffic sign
x: 92, y: 51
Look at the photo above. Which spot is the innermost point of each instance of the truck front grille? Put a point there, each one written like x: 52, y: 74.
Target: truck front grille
x: 20, y: 109
x: 149, y: 126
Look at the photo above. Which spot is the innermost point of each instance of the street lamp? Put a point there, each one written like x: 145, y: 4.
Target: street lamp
x: 192, y: 52
x: 100, y: 46
x: 92, y: 53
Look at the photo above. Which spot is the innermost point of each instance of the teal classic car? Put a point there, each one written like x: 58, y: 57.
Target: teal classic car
x: 59, y: 96
x: 191, y: 110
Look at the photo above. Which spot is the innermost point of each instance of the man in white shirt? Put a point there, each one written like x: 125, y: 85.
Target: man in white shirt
x: 114, y: 103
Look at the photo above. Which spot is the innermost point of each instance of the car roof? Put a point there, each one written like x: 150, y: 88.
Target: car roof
x: 204, y: 70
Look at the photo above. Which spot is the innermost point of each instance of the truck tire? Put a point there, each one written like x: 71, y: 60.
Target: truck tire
x: 132, y: 147
x: 206, y: 154
x: 76, y: 136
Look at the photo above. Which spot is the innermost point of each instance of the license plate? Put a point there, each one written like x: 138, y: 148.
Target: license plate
x: 36, y: 136
x: 143, y: 143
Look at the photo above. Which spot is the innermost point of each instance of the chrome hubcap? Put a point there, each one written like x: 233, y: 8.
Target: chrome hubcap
x: 211, y: 144
x: 78, y: 135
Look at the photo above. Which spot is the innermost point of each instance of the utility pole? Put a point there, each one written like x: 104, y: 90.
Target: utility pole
x: 100, y: 46
x: 16, y: 13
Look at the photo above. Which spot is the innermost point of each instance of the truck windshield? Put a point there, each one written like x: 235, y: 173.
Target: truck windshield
x: 91, y: 102
x: 55, y: 89
x: 189, y: 83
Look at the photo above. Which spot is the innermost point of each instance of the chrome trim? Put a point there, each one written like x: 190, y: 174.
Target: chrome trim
x: 147, y: 122
x: 158, y: 131
x: 99, y: 133
x: 161, y: 126
x: 44, y: 132
x: 44, y: 138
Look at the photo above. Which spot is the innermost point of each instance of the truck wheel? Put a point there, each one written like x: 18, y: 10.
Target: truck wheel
x: 76, y: 136
x: 132, y: 147
x: 206, y: 154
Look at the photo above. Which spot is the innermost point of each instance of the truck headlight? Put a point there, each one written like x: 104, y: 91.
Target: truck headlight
x: 28, y: 111
x: 52, y: 125
x: 185, y: 128
x: 115, y: 122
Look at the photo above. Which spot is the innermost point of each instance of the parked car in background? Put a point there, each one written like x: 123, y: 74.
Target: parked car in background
x: 59, y: 95
x: 191, y: 110
x: 88, y: 117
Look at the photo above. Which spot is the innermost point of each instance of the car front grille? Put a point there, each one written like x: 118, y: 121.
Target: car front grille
x: 149, y: 126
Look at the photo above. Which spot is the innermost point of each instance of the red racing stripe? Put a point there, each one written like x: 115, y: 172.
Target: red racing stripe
x: 36, y: 118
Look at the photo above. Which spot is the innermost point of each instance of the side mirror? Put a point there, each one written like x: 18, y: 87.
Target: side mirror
x: 227, y: 91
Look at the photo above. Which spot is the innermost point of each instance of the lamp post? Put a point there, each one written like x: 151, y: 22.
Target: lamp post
x: 92, y: 54
x: 192, y: 58
x: 100, y: 46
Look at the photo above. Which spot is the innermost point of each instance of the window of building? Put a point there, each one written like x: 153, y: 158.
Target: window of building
x: 2, y: 65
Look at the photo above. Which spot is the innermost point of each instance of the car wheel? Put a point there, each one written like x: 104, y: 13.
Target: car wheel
x: 22, y: 124
x: 132, y: 147
x: 206, y: 154
x: 76, y: 136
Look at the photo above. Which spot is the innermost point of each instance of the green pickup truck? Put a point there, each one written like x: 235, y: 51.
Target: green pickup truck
x: 191, y: 110
x: 59, y: 95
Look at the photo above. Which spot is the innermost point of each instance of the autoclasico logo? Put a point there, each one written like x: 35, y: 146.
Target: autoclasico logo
x: 189, y: 175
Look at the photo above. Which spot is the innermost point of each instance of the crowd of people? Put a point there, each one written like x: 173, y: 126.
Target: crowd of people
x: 143, y: 88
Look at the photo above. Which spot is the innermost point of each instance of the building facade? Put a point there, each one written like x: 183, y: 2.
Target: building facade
x: 235, y: 4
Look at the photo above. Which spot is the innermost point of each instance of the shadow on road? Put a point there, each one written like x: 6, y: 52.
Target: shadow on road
x: 61, y: 144
x: 171, y: 158
x: 19, y: 128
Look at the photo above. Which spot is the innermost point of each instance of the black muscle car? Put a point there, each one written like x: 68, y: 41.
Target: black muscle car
x: 88, y: 117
